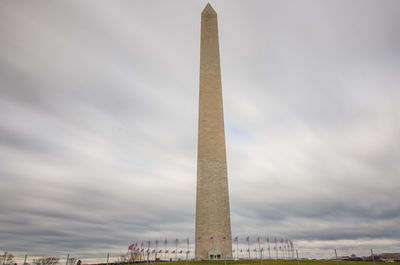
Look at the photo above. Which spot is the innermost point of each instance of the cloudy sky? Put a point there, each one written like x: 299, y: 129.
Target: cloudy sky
x: 98, y: 123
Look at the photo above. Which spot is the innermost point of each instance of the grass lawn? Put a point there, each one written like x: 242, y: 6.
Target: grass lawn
x: 270, y: 262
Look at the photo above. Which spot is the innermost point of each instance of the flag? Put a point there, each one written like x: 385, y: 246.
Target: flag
x: 198, y: 239
x: 255, y: 250
x: 131, y: 247
x: 173, y: 251
x: 160, y: 251
x: 258, y: 239
x: 153, y: 251
x: 262, y: 249
x: 176, y: 241
x: 141, y: 245
x: 235, y: 239
x: 166, y: 251
x: 180, y: 251
x: 187, y: 251
x: 147, y: 250
x: 165, y: 242
x: 268, y: 239
x: 247, y: 239
x: 248, y: 250
x: 211, y: 239
x: 241, y: 250
x: 233, y: 251
x: 142, y: 250
x: 223, y: 239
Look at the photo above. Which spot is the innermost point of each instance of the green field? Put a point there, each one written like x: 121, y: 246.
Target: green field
x: 272, y: 262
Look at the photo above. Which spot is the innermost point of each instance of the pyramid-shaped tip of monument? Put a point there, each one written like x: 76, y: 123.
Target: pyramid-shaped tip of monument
x: 208, y: 10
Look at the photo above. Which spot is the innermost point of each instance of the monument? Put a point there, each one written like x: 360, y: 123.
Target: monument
x: 213, y: 224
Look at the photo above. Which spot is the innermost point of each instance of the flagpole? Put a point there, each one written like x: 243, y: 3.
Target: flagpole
x: 66, y: 263
x: 225, y: 249
x: 187, y: 252
x: 155, y: 254
x: 337, y: 261
x: 25, y: 259
x: 237, y: 247
x: 108, y: 255
x: 176, y: 249
x: 248, y: 245
x: 166, y: 244
x: 269, y: 249
x: 297, y: 253
x: 373, y: 258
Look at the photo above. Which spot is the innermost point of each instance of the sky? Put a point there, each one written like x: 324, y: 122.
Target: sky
x: 98, y: 123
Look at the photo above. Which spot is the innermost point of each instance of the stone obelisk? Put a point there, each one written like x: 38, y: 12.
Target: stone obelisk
x: 213, y: 224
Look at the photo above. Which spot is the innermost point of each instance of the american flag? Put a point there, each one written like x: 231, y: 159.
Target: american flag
x: 258, y: 239
x: 131, y: 247
x: 166, y: 251
x: 210, y: 239
x: 173, y: 251
x: 180, y: 251
x: 198, y: 239
x: 235, y: 239
x: 160, y: 251
x: 241, y: 250
x: 223, y: 239
x: 247, y: 239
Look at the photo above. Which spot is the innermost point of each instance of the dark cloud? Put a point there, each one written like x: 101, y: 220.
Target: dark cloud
x: 98, y: 120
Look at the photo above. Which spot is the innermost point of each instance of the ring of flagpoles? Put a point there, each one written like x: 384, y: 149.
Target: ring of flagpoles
x: 180, y: 249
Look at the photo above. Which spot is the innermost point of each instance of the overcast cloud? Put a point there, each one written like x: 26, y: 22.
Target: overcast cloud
x: 98, y: 123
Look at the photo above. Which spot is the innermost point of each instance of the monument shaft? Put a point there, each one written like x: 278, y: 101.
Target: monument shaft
x: 213, y: 225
